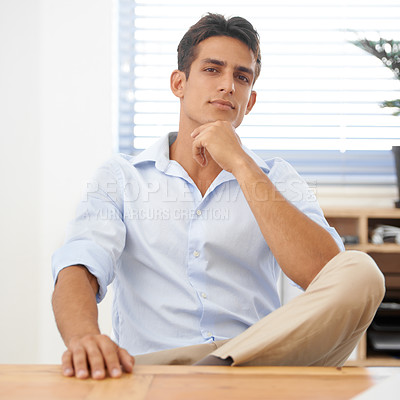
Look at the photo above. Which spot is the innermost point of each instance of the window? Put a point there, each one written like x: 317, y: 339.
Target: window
x: 319, y: 95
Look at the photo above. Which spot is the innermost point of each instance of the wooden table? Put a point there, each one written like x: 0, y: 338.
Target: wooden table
x: 45, y: 382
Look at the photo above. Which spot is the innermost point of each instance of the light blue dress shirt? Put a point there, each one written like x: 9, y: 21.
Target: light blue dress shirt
x: 186, y: 269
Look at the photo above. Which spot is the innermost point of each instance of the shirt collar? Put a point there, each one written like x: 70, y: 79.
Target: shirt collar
x: 158, y: 152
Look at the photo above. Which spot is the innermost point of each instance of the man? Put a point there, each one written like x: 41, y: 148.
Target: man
x: 193, y: 232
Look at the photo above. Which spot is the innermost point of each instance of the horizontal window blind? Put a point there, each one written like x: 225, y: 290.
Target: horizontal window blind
x: 319, y: 95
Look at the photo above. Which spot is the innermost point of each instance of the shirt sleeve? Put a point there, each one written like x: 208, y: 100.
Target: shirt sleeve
x: 96, y: 237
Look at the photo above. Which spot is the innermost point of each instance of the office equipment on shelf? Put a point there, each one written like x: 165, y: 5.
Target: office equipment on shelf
x: 384, y: 332
x: 385, y: 234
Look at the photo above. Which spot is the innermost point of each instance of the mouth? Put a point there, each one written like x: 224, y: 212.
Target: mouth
x: 222, y: 104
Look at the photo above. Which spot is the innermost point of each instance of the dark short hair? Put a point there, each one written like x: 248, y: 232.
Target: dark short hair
x: 217, y: 25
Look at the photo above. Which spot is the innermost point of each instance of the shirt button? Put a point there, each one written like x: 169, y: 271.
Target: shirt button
x: 196, y: 253
x: 198, y: 212
x: 203, y: 295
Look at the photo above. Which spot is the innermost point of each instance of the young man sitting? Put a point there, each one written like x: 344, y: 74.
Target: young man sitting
x: 194, y: 233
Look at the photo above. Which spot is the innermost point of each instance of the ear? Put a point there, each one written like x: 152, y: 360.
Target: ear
x: 177, y: 83
x: 252, y: 101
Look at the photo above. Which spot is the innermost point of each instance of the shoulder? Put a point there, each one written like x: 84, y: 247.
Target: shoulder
x: 280, y: 171
x: 273, y: 166
x: 279, y: 167
x: 289, y: 182
x: 113, y: 172
x: 117, y: 163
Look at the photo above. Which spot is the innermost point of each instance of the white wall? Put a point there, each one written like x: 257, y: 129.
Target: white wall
x: 20, y: 179
x: 56, y: 128
x: 76, y: 121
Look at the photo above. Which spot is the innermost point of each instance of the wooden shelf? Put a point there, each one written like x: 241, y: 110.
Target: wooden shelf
x: 363, y: 212
x: 360, y: 223
x: 376, y: 248
x: 374, y: 362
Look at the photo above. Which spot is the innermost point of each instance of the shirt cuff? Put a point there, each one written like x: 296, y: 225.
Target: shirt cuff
x: 85, y: 252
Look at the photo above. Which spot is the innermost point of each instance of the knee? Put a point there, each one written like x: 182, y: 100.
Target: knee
x: 364, y: 280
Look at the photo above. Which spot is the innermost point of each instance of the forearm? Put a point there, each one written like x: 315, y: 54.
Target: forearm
x: 74, y: 303
x: 300, y: 245
x: 75, y: 309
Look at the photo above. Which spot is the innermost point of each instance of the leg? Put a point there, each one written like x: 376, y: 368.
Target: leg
x: 188, y: 355
x: 319, y: 327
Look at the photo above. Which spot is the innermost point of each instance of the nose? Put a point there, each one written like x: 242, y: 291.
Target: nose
x: 227, y: 84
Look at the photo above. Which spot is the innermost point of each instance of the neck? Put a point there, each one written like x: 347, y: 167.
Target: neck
x: 181, y: 152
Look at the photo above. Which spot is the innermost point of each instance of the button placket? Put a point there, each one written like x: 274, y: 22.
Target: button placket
x: 208, y: 335
x: 197, y: 267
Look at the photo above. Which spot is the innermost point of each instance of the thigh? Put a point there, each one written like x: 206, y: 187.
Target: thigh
x: 320, y: 326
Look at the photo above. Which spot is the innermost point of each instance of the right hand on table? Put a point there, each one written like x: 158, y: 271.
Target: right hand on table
x: 95, y: 355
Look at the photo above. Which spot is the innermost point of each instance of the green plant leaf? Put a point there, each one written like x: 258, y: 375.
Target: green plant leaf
x: 388, y: 51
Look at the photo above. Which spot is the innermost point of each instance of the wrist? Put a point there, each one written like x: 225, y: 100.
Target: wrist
x: 77, y: 336
x: 244, y: 166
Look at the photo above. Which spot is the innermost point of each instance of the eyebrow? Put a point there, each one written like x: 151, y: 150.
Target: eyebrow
x: 223, y: 64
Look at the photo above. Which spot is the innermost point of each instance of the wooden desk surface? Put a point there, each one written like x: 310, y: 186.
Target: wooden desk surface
x: 45, y: 382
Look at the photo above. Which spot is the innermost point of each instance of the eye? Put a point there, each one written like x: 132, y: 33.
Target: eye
x: 210, y: 69
x: 243, y: 78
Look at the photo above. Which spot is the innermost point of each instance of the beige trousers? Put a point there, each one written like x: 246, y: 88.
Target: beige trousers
x: 321, y: 326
